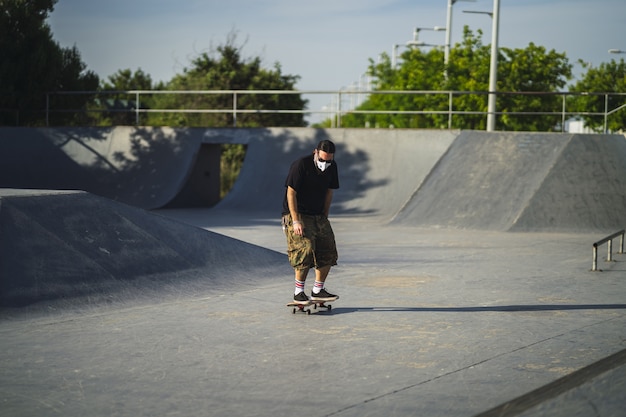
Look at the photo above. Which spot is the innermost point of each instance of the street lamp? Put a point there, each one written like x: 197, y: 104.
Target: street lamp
x: 490, y: 14
x: 616, y: 51
x: 420, y: 43
x: 414, y: 42
x: 446, y: 53
x: 418, y: 30
x: 493, y: 66
x: 394, y: 55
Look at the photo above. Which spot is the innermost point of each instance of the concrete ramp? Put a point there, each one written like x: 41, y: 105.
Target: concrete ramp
x: 585, y: 189
x: 379, y: 169
x: 144, y: 167
x: 459, y: 179
x: 163, y: 167
x: 74, y: 245
x: 524, y: 181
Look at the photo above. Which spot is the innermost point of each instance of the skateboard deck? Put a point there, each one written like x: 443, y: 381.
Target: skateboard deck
x: 302, y: 306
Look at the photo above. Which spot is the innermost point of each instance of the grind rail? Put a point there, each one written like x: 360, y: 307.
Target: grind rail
x: 609, y: 241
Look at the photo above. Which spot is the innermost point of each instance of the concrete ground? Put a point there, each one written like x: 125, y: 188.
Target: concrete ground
x: 430, y: 322
x: 464, y: 277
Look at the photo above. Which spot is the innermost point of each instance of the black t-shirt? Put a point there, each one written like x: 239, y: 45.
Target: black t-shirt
x: 311, y: 185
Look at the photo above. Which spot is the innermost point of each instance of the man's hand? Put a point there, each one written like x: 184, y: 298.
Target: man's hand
x: 292, y: 201
x: 298, y: 228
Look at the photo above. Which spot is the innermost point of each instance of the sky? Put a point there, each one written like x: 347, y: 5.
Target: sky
x: 327, y: 43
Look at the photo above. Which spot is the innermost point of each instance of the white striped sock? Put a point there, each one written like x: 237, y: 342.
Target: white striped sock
x: 319, y: 286
x: 299, y: 287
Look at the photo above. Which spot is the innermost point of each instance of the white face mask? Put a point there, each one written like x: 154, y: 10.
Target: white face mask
x: 322, y: 165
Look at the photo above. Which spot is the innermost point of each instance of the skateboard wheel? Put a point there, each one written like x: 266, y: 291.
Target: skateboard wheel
x: 330, y: 307
x: 293, y: 311
x: 308, y: 312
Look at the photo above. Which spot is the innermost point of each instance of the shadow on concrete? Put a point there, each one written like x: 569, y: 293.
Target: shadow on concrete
x: 260, y: 187
x: 143, y: 167
x: 29, y: 158
x: 481, y: 309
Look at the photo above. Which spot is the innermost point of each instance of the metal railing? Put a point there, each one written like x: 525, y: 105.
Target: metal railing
x: 338, y: 108
x: 609, y: 241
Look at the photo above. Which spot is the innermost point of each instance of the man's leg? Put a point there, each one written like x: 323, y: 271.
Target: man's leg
x: 319, y: 293
x: 301, y: 275
x: 321, y: 274
x: 325, y: 254
x: 300, y: 254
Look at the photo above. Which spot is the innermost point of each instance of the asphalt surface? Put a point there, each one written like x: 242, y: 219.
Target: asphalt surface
x: 430, y: 322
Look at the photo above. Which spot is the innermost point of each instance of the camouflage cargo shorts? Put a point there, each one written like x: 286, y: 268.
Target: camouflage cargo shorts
x: 316, y: 249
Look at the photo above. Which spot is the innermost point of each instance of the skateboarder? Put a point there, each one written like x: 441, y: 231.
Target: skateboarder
x: 310, y: 239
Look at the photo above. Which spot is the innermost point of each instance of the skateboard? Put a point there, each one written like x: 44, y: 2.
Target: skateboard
x: 302, y: 307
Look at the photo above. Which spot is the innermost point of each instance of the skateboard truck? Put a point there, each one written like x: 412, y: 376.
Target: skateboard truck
x: 302, y: 307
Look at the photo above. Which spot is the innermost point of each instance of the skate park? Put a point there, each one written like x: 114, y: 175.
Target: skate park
x: 464, y: 275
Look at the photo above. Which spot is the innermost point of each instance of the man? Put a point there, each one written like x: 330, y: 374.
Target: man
x: 310, y: 239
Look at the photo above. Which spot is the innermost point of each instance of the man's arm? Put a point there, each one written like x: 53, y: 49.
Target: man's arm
x: 327, y: 201
x: 292, y: 202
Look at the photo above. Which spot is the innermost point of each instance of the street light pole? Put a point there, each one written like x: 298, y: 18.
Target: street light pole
x: 394, y: 55
x: 446, y: 51
x: 420, y: 43
x: 493, y: 68
x: 490, y: 14
x: 417, y: 31
x: 414, y: 42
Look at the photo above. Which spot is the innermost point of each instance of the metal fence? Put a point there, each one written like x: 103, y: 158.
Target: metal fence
x: 342, y: 102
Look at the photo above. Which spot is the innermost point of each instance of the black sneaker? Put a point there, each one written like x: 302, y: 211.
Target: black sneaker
x: 301, y: 298
x: 323, y: 295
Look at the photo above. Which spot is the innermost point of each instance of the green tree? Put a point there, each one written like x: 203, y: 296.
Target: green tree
x: 416, y: 73
x: 120, y: 106
x: 226, y: 69
x: 33, y: 64
x: 230, y: 166
x: 128, y: 80
x: 532, y: 69
x: 468, y: 71
x: 606, y: 78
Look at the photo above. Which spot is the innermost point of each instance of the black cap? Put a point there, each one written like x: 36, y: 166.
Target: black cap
x: 326, y: 146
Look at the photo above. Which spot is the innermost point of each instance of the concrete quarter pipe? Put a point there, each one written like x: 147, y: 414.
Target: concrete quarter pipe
x: 523, y: 182
x: 460, y: 179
